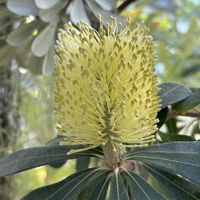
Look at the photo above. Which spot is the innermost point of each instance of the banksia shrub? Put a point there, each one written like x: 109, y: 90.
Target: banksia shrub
x: 107, y: 105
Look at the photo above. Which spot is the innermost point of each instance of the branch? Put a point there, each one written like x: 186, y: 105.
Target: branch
x: 124, y: 5
x: 187, y: 114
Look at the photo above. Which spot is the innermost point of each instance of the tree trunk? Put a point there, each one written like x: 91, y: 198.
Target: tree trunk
x: 9, y: 121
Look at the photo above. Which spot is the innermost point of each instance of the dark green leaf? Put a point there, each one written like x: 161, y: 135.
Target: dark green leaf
x: 82, y: 163
x: 68, y: 189
x: 55, y: 141
x: 169, y: 137
x: 117, y: 188
x: 171, y: 125
x: 38, y: 156
x: 189, y: 103
x: 171, y: 93
x: 141, y: 189
x: 162, y: 115
x: 175, y: 157
x: 92, y: 190
x: 174, y: 187
x: 100, y: 191
x: 191, y: 70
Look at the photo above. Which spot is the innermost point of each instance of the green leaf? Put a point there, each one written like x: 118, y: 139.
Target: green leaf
x: 68, y: 189
x: 46, y: 4
x: 48, y: 63
x: 189, y: 103
x: 21, y: 34
x: 44, y: 40
x: 169, y: 137
x: 162, y: 116
x: 48, y: 15
x: 175, y: 157
x: 174, y: 187
x: 7, y: 53
x: 82, y: 163
x: 96, y: 10
x: 38, y: 156
x: 55, y: 142
x: 92, y: 190
x: 191, y: 70
x: 171, y: 93
x: 118, y: 191
x: 100, y: 189
x: 171, y: 125
x: 34, y: 64
x: 4, y: 12
x: 141, y: 189
x: 23, y: 7
x: 78, y: 12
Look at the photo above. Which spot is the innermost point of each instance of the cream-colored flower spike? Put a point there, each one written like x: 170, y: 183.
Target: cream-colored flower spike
x: 105, y: 87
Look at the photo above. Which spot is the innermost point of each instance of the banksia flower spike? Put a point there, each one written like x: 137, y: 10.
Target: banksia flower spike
x: 105, y: 87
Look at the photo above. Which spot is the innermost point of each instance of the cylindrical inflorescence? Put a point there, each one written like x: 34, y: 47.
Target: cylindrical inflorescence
x: 105, y: 86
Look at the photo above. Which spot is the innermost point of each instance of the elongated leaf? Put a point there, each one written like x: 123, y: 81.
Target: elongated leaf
x: 51, y: 14
x: 78, y: 12
x: 141, y: 189
x: 175, y: 157
x: 44, y: 40
x: 7, y: 53
x: 5, y: 25
x: 169, y: 137
x: 55, y: 142
x: 174, y: 187
x: 23, y: 7
x: 82, y: 163
x: 100, y: 191
x: 21, y: 34
x: 38, y: 156
x: 171, y: 93
x: 90, y: 191
x: 96, y: 10
x: 190, y: 102
x: 4, y: 12
x: 117, y: 188
x: 68, y: 189
x: 46, y: 4
x: 162, y: 116
x: 171, y: 125
x: 34, y: 64
x: 48, y: 63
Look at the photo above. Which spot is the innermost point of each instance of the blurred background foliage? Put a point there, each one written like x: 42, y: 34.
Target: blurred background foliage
x: 28, y: 31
